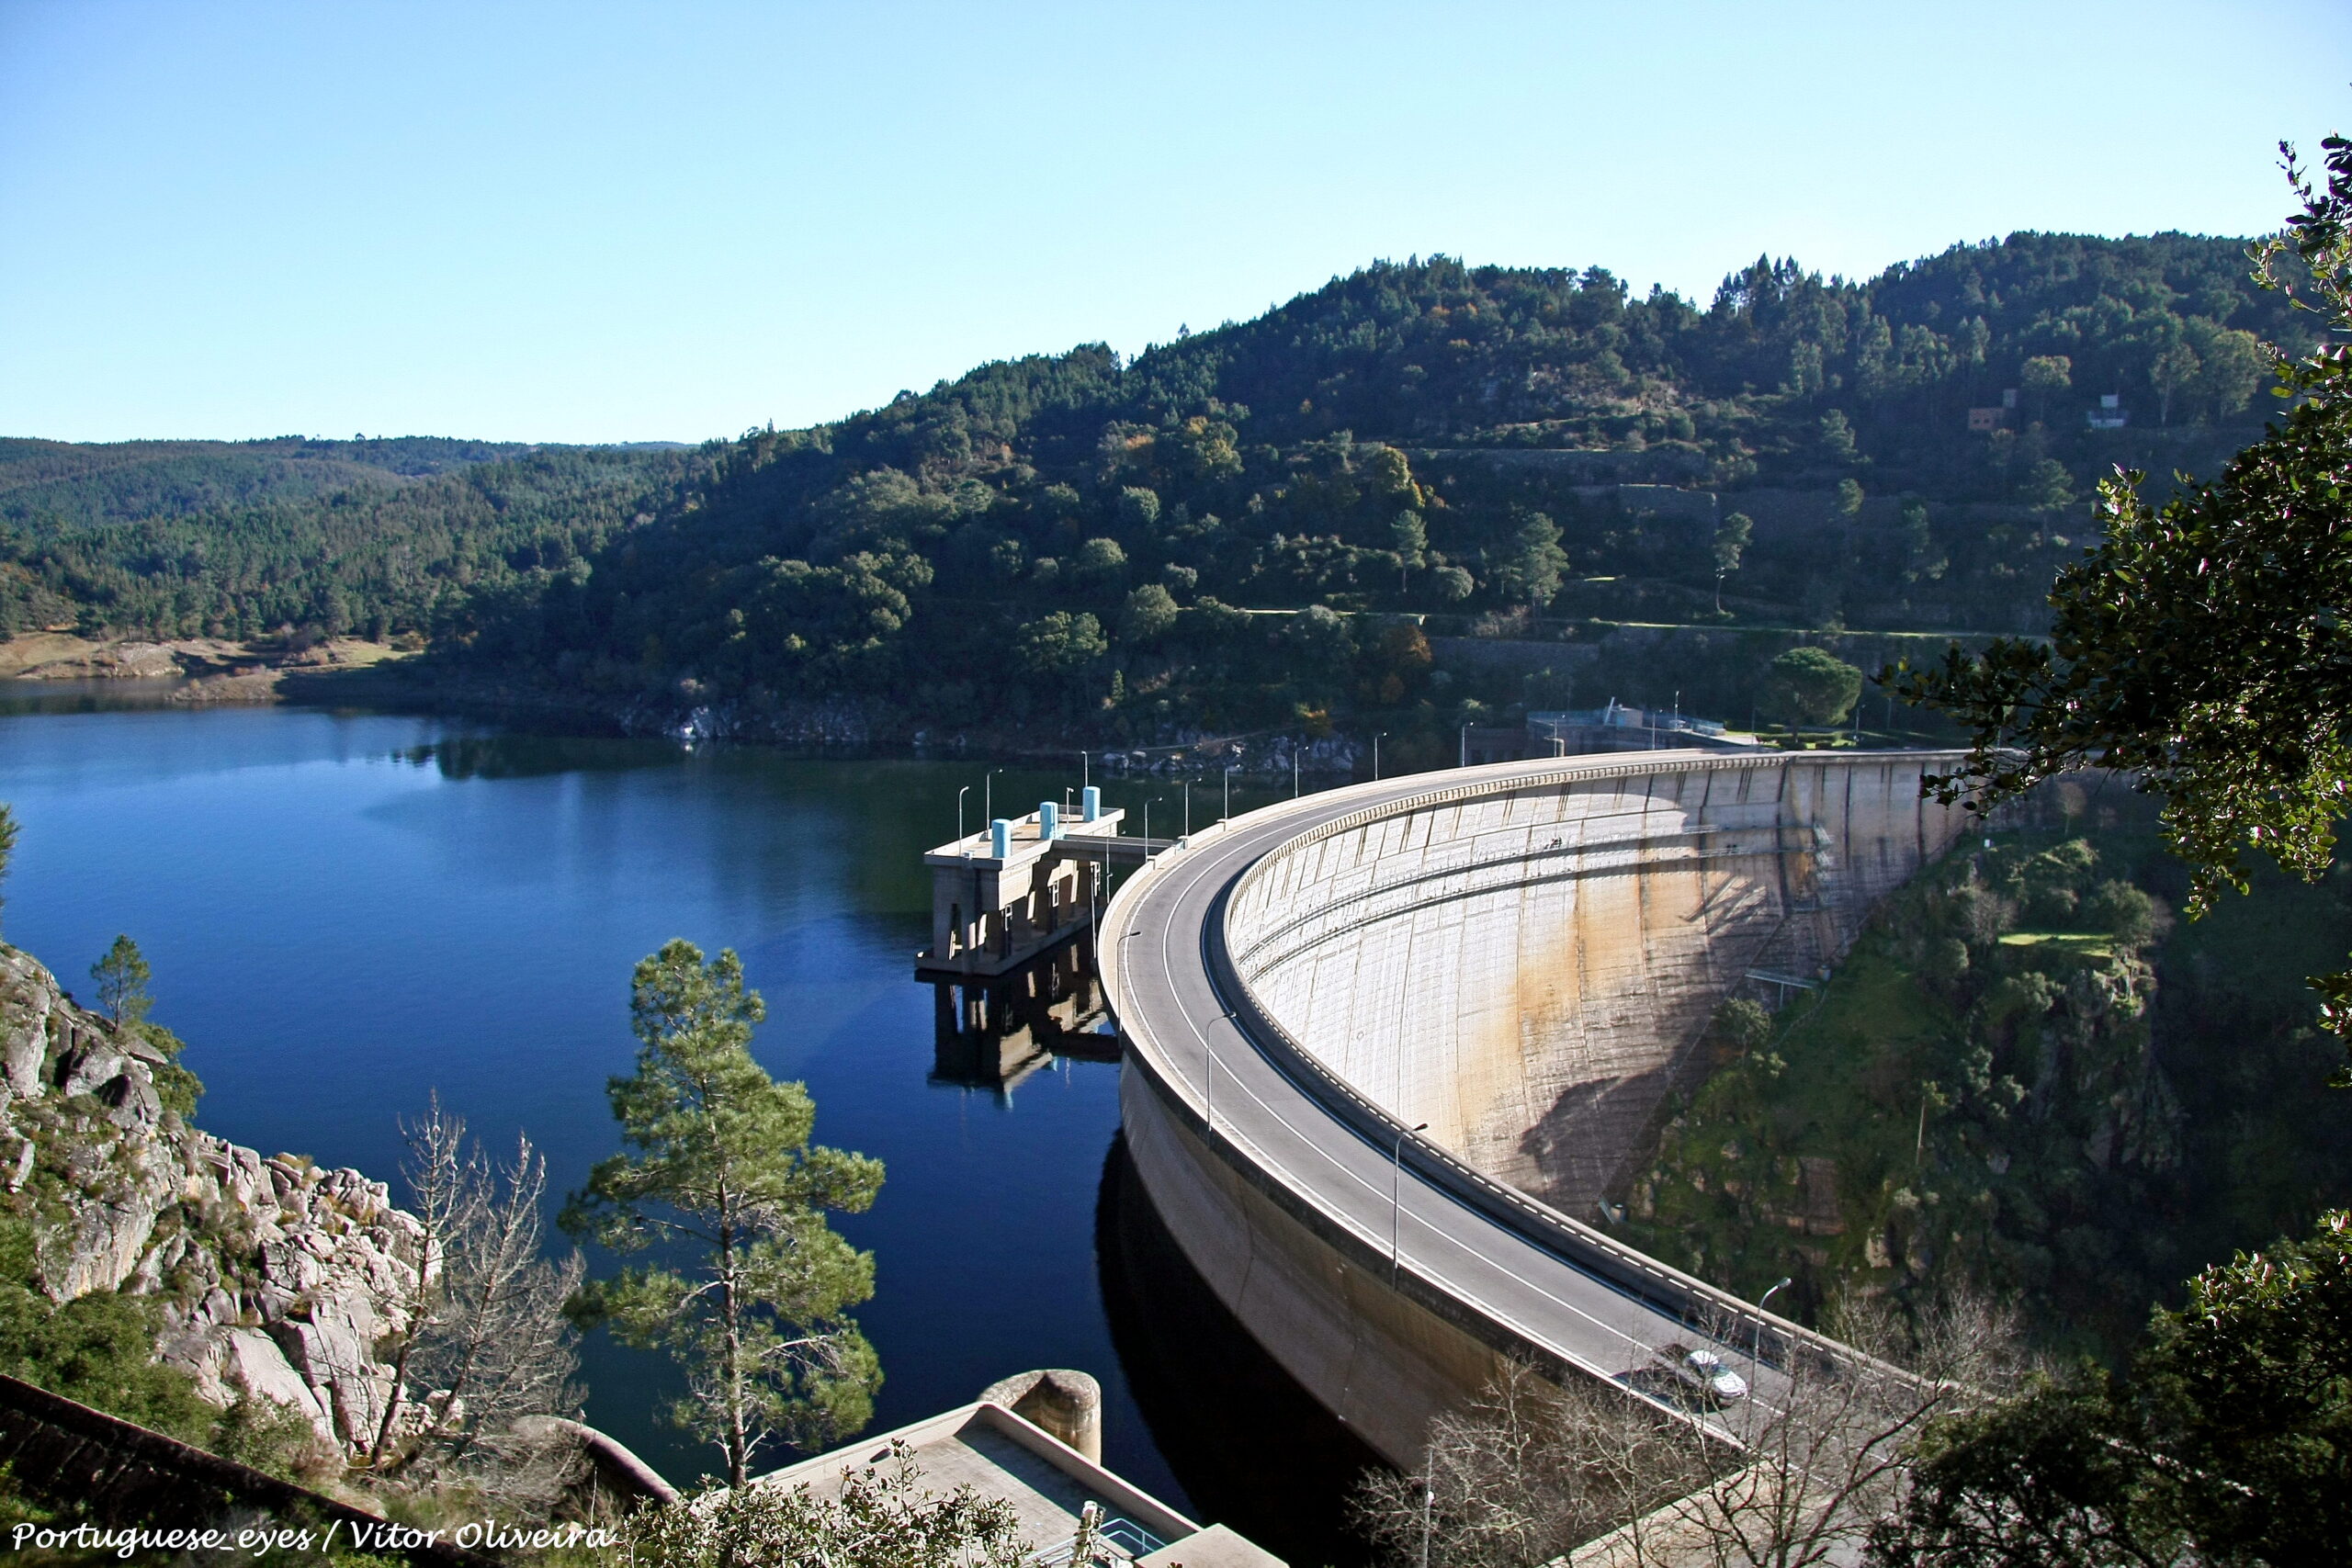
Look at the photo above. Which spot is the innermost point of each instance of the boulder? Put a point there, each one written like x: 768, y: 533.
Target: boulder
x: 333, y: 1351
x: 255, y: 1365
x: 131, y: 1101
x: 98, y: 1248
x: 88, y: 1066
x: 27, y: 997
x: 133, y: 1044
x: 289, y: 1266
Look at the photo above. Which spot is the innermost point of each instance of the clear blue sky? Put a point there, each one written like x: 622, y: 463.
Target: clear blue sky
x: 589, y: 222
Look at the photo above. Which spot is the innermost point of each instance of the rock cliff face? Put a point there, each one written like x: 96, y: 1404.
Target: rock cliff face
x: 276, y: 1278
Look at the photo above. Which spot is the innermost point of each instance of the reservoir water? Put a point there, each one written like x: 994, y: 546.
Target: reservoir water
x: 347, y: 913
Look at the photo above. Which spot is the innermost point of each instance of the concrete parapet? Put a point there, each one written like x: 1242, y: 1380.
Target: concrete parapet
x: 1320, y: 1302
x: 615, y: 1480
x: 1216, y: 1547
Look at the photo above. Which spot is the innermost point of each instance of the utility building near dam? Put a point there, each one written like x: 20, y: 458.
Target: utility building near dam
x: 1004, y: 895
x: 1388, y: 1046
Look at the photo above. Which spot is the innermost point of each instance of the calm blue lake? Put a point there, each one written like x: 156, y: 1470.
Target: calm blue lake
x: 346, y: 913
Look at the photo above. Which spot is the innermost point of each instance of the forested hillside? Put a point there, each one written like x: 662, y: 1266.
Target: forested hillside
x: 189, y: 538
x: 2027, y: 1077
x: 1074, y: 543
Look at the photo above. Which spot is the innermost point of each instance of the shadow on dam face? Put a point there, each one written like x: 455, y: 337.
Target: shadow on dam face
x: 1251, y: 1446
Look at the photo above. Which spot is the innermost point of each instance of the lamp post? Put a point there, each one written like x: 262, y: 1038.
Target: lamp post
x: 959, y: 820
x: 1293, y: 773
x: 1396, y: 1193
x: 1756, y: 1340
x: 1228, y: 791
x: 1188, y: 808
x: 1084, y: 777
x: 1378, y: 736
x: 1465, y: 746
x: 1132, y: 931
x: 988, y: 793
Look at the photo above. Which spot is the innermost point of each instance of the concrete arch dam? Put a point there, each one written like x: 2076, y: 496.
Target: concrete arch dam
x: 1388, y: 1045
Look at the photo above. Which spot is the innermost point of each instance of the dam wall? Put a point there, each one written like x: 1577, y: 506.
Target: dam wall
x: 1376, y: 1348
x: 1523, y: 955
x: 1526, y: 962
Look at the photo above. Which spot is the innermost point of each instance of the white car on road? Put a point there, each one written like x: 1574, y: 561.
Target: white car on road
x: 1703, y: 1375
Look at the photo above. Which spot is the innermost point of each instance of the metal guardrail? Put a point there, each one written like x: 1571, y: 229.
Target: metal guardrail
x: 1126, y: 1540
x: 1683, y: 1296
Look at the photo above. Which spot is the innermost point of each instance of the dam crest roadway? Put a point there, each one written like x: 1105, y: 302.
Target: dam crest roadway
x: 1387, y: 1046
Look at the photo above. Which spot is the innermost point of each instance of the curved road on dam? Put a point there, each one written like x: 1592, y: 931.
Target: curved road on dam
x: 1526, y: 1279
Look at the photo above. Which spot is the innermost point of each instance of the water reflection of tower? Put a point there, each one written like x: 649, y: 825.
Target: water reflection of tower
x: 1249, y: 1446
x: 992, y: 1032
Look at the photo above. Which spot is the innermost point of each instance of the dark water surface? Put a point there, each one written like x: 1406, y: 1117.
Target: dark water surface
x: 347, y: 912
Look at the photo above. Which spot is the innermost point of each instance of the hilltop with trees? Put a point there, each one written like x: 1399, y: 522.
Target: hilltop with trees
x: 1520, y: 449
x: 239, y: 540
x: 1078, y: 542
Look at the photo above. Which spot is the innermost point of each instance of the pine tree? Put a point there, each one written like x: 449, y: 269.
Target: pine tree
x: 1410, y: 537
x: 1731, y: 543
x: 717, y: 1169
x: 122, y: 975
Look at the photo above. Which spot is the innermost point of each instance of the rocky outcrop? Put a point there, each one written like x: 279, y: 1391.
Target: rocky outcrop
x: 277, y: 1279
x: 111, y: 662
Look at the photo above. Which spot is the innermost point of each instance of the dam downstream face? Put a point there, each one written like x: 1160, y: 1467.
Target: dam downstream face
x: 1526, y: 969
x: 1251, y: 1446
x: 1383, y: 1044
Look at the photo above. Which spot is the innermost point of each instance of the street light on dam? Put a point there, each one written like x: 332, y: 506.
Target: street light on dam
x: 1396, y: 1189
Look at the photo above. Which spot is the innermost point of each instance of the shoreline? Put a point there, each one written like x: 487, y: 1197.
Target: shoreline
x: 347, y: 673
